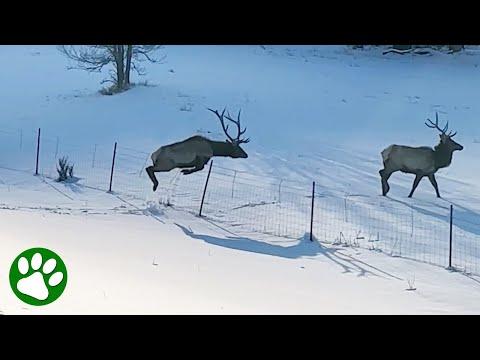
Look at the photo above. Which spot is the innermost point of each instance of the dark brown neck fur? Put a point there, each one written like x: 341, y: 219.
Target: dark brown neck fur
x: 443, y: 156
x: 221, y: 148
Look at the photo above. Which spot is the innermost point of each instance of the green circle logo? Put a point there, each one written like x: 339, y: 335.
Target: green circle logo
x: 38, y: 276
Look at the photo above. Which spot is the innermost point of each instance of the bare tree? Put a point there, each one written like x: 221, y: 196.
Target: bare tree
x: 121, y: 58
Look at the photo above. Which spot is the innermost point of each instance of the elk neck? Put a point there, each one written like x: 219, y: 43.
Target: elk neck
x: 221, y: 148
x: 443, y: 156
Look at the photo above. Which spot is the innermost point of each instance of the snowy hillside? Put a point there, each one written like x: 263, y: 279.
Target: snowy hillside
x: 318, y: 114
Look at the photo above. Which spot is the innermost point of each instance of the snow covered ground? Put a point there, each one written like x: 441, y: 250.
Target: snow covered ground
x: 318, y: 114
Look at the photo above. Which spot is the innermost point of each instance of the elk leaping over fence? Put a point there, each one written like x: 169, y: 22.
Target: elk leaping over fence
x: 421, y: 161
x: 192, y: 154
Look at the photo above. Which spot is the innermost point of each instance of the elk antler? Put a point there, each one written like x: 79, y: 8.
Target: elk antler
x: 435, y: 126
x: 237, y: 140
x: 240, y: 132
x: 222, y: 122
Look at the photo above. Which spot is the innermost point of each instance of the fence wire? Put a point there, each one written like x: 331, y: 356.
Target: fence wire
x: 247, y: 203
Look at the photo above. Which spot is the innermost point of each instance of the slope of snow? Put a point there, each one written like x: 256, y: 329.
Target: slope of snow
x: 318, y: 114
x: 126, y: 260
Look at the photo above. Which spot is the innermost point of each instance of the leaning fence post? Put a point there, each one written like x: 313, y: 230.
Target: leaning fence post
x: 144, y: 165
x: 113, y: 166
x: 451, y: 237
x: 205, y: 188
x: 38, y: 152
x: 311, y: 214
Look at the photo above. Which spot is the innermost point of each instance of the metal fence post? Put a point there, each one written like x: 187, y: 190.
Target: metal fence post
x: 113, y: 166
x: 38, y: 152
x: 280, y: 191
x: 144, y: 166
x: 56, y: 147
x: 205, y: 188
x: 451, y: 237
x: 94, y: 153
x: 311, y: 214
x: 233, y: 181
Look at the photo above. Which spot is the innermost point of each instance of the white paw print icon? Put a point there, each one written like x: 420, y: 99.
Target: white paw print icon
x: 35, y: 285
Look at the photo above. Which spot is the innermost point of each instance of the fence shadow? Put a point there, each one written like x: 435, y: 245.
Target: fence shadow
x: 252, y: 204
x: 466, y: 219
x: 304, y: 248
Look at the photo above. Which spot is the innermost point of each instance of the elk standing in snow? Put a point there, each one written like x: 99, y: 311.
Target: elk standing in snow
x: 192, y: 154
x: 421, y: 161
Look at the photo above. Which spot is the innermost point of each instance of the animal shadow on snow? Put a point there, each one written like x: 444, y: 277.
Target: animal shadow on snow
x: 304, y: 248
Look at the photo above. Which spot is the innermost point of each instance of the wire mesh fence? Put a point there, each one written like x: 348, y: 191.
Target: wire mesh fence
x: 247, y: 203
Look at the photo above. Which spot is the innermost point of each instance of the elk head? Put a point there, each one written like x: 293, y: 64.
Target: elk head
x: 237, y: 151
x: 445, y: 139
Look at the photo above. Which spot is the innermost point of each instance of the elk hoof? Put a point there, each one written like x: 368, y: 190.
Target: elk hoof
x: 155, y: 187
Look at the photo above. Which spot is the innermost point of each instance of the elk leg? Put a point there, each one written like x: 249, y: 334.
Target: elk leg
x: 191, y: 171
x: 199, y: 165
x: 385, y: 176
x: 415, y: 184
x: 434, y: 183
x: 151, y: 175
x: 158, y: 167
